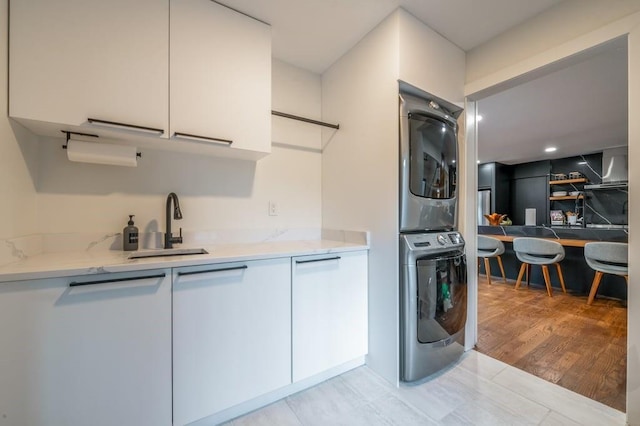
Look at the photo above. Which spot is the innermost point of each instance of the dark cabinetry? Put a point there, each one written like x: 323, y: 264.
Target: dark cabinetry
x: 485, y: 175
x: 515, y: 188
x: 530, y: 190
x: 496, y: 178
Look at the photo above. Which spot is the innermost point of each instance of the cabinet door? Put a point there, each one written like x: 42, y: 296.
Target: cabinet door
x: 72, y: 60
x: 96, y: 354
x: 220, y: 76
x: 231, y: 335
x: 329, y: 311
x: 526, y: 193
x: 486, y: 175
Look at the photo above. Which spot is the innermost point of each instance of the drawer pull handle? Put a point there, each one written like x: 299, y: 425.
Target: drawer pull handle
x: 198, y: 138
x: 206, y: 271
x: 125, y: 126
x: 116, y: 280
x: 318, y: 260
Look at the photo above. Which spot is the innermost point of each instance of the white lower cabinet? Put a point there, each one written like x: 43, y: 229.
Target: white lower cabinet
x: 329, y: 311
x: 92, y: 350
x: 231, y: 335
x: 97, y: 349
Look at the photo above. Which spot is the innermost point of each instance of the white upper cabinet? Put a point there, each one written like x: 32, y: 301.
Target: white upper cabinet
x: 73, y: 60
x: 220, y: 76
x: 182, y: 75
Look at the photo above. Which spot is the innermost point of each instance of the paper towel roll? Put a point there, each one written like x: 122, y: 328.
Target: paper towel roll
x: 102, y: 153
x: 530, y: 217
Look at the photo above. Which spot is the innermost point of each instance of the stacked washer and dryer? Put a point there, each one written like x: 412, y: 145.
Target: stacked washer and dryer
x: 433, y: 269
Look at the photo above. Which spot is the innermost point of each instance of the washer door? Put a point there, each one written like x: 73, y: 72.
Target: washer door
x: 442, y: 297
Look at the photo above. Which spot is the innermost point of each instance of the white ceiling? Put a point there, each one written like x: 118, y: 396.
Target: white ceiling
x: 580, y: 109
x: 313, y: 34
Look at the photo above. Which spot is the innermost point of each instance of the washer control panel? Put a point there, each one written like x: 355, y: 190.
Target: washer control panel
x: 434, y: 241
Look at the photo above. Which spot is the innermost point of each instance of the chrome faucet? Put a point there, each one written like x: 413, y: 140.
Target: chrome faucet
x: 169, y: 239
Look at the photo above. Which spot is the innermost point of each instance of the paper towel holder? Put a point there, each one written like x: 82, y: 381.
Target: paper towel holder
x: 91, y: 135
x: 69, y: 133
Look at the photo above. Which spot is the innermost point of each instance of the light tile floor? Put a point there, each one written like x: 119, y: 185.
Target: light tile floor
x: 477, y: 390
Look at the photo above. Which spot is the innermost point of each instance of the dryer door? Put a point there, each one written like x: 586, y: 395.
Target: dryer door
x: 433, y: 153
x: 428, y: 177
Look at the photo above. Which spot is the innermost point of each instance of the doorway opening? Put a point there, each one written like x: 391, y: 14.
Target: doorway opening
x: 578, y: 106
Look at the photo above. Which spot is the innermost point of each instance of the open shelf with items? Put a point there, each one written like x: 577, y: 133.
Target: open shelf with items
x: 567, y: 195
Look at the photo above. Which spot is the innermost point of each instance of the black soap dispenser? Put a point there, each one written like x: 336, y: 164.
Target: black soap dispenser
x: 130, y: 236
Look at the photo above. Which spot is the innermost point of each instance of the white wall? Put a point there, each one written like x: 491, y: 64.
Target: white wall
x: 503, y: 53
x: 360, y: 174
x: 360, y: 161
x: 429, y: 61
x: 633, y: 304
x: 215, y: 194
x: 560, y: 24
x: 18, y: 157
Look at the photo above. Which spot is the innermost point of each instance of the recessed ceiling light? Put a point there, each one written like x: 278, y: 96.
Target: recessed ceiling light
x: 478, y: 161
x: 453, y: 161
x: 478, y: 117
x: 550, y: 149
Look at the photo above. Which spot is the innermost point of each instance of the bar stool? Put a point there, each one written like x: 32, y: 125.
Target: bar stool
x: 606, y: 258
x: 489, y: 247
x: 537, y: 251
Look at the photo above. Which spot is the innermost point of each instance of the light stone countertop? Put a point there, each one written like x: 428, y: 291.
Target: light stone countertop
x: 74, y: 263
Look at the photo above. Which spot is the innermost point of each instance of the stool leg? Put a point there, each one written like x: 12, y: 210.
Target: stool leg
x: 564, y: 289
x: 547, y: 279
x: 594, y: 287
x: 522, y: 269
x: 504, y: 277
x: 487, y: 269
x: 528, y: 274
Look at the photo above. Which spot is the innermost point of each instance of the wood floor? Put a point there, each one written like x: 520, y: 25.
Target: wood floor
x: 560, y: 339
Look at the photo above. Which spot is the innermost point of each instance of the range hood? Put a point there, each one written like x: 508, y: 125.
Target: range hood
x: 615, y: 169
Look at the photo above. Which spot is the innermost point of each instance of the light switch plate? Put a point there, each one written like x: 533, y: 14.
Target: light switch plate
x: 273, y: 208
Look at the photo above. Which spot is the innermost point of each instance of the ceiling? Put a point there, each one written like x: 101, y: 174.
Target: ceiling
x: 313, y: 34
x: 579, y: 109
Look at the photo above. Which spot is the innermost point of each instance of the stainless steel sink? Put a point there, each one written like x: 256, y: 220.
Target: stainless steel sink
x: 167, y: 252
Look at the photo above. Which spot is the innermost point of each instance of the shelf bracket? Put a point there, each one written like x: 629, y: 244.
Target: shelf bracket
x: 304, y: 119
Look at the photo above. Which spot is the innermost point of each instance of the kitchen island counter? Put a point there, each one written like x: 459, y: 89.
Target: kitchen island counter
x: 558, y: 233
x: 578, y: 275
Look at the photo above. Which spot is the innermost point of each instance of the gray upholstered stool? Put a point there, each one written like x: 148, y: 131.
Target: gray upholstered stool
x: 538, y: 251
x: 489, y: 247
x: 606, y: 258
